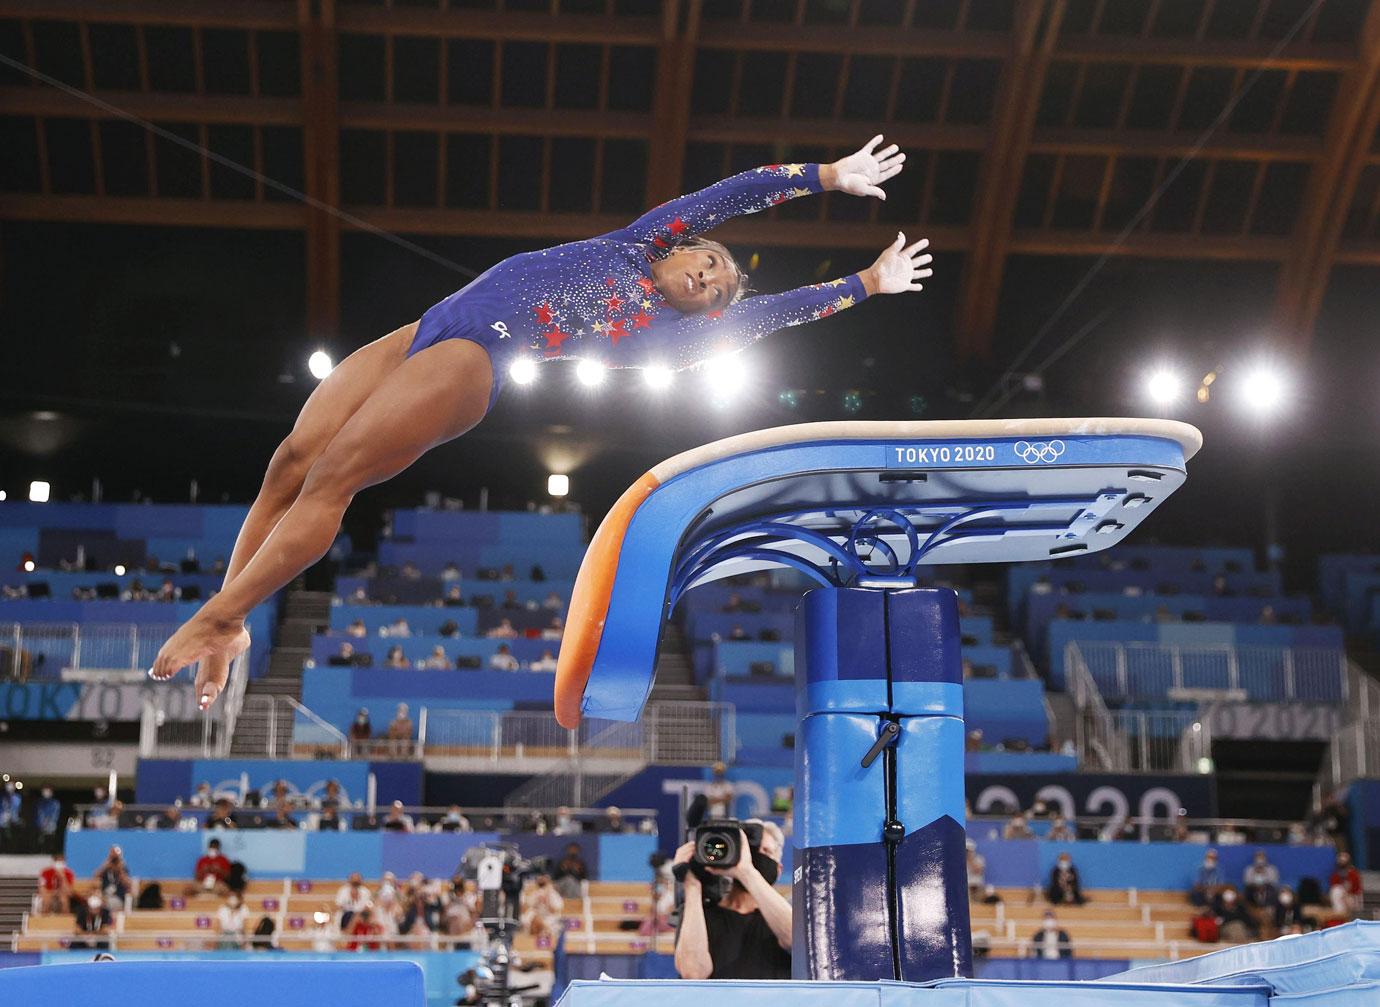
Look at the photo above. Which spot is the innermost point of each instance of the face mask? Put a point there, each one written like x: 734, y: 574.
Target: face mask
x: 1285, y: 898
x: 1049, y: 924
x: 766, y: 866
x: 1228, y: 898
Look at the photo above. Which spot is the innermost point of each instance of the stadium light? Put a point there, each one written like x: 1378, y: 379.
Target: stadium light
x: 1163, y: 387
x: 1263, y: 389
x: 2, y: 496
x: 29, y: 566
x: 119, y: 569
x: 726, y: 377
x: 590, y: 373
x: 658, y: 378
x: 39, y: 491
x: 320, y: 364
x: 557, y: 485
x: 523, y: 371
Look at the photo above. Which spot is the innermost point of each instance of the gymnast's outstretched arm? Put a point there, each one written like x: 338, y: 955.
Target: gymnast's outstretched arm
x: 756, y: 189
x: 679, y: 340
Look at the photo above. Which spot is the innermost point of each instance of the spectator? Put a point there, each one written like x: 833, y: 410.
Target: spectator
x: 565, y: 824
x: 230, y: 919
x: 56, y: 886
x: 1017, y: 829
x: 1207, y: 882
x: 510, y: 601
x: 107, y: 820
x: 344, y: 657
x: 1260, y: 881
x: 571, y: 873
x: 507, y: 574
x: 397, y: 659
x: 352, y: 898
x: 213, y: 868
x: 323, y: 934
x: 613, y: 821
x: 410, y: 571
x: 222, y: 815
x: 1346, y: 877
x: 1286, y: 915
x: 167, y: 591
x: 1060, y: 832
x: 47, y: 817
x: 733, y: 604
x: 169, y: 821
x: 453, y: 598
x: 542, y: 906
x: 977, y: 870
x: 1234, y: 922
x: 503, y: 660
x: 279, y: 793
x: 400, y: 731
x: 329, y: 820
x: 547, y: 662
x: 93, y: 923
x: 719, y: 794
x: 330, y: 796
x: 1203, y: 928
x: 364, y: 926
x: 450, y: 629
x: 454, y: 821
x: 1064, y: 885
x: 150, y: 896
x: 503, y: 631
x: 112, y: 878
x: 972, y: 741
x: 202, y: 798
x: 555, y: 629
x: 282, y: 816
x: 1038, y: 809
x: 552, y: 602
x: 397, y: 820
x: 357, y: 629
x: 1051, y: 941
x: 536, y: 573
x: 360, y: 728
x: 358, y: 597
x: 436, y: 661
x: 450, y: 572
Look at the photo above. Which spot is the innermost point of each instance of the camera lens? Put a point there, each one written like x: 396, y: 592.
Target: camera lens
x: 716, y: 848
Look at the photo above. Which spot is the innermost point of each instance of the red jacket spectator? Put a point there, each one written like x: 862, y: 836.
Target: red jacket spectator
x: 213, y: 864
x: 1345, y: 875
x: 56, y: 876
x: 365, y: 925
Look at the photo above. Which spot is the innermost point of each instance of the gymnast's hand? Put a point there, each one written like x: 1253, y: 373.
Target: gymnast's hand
x: 898, y: 269
x: 861, y: 174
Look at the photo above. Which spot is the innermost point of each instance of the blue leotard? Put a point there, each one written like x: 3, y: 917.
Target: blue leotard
x: 596, y: 298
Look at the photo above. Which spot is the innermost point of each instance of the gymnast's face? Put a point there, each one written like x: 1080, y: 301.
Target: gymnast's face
x: 695, y: 279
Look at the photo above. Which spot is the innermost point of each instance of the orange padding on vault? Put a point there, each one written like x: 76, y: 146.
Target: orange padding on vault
x: 589, y: 602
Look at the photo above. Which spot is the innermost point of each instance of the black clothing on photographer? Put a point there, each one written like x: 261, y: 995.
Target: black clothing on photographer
x: 742, y: 946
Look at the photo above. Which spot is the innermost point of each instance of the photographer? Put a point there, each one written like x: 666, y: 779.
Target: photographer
x: 746, y: 934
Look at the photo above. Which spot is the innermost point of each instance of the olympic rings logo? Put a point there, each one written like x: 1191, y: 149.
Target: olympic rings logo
x: 1035, y: 452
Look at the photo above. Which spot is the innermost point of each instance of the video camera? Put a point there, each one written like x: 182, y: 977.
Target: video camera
x: 719, y: 845
x: 499, y: 870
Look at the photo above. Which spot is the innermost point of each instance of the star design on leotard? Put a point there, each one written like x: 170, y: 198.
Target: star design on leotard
x: 618, y: 330
x: 716, y: 314
x: 544, y: 313
x: 554, y: 338
x: 647, y: 284
x: 647, y: 305
x: 677, y: 226
x: 800, y: 192
x: 793, y: 170
x: 834, y: 283
x: 614, y: 302
x: 845, y: 302
x: 599, y: 327
x: 641, y: 320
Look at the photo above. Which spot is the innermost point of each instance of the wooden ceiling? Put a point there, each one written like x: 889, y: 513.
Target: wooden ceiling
x: 1034, y: 127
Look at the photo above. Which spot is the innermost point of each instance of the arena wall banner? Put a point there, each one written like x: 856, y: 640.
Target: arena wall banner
x: 162, y: 781
x: 122, y: 701
x: 1077, y: 795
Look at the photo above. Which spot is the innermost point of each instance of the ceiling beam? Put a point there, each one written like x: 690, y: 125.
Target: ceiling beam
x: 1331, y: 187
x: 321, y: 164
x: 675, y: 73
x: 1018, y: 99
x: 1247, y: 53
x: 256, y: 14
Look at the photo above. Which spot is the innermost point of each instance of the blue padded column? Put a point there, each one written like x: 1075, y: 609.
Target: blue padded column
x: 880, y: 890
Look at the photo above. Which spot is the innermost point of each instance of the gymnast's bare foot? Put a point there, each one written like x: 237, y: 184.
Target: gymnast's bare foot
x: 203, y: 637
x: 212, y: 673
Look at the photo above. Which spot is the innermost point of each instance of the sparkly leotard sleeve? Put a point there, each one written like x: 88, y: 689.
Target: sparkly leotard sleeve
x: 596, y: 298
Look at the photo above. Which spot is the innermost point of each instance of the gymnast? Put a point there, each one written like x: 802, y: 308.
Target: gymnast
x: 650, y: 294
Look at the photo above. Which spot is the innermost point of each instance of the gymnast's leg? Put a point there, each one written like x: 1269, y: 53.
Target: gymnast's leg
x: 428, y: 399
x: 330, y: 404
